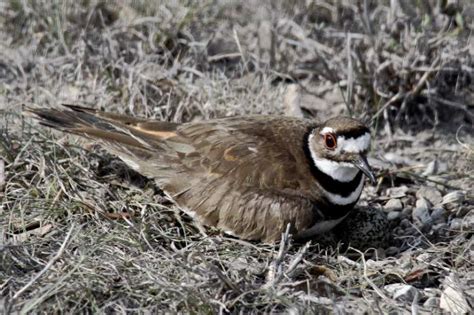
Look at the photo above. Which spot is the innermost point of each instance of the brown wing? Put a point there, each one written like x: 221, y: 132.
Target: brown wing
x: 259, y: 151
x: 243, y: 175
x: 247, y: 212
x: 249, y: 176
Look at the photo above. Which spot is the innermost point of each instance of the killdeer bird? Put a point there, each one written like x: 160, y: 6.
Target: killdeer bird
x: 249, y: 176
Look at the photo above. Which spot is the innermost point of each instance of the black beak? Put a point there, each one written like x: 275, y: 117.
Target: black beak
x: 362, y: 164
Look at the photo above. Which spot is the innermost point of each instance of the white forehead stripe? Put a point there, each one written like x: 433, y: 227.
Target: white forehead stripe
x: 354, y: 145
x: 326, y: 130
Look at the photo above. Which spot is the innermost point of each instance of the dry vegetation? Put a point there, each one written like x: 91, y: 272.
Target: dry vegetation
x: 79, y: 232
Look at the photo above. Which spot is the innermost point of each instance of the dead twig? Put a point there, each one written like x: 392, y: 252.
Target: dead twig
x: 366, y: 277
x: 275, y: 272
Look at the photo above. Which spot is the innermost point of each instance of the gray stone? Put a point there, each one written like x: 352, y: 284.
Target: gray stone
x: 423, y: 203
x: 397, y: 159
x: 401, y: 291
x: 438, y: 215
x: 393, y: 205
x: 431, y: 302
x: 468, y: 222
x: 393, y: 215
x: 432, y: 194
x: 392, y: 251
x: 405, y: 223
x: 407, y: 212
x: 442, y: 167
x: 397, y: 192
x: 438, y: 227
x: 421, y: 215
x: 455, y: 224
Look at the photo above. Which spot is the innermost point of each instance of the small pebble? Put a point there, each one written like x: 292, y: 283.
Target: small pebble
x: 405, y: 223
x: 397, y: 192
x: 423, y: 203
x: 455, y: 224
x: 431, y: 302
x: 442, y: 167
x: 407, y: 212
x: 393, y: 215
x: 438, y: 215
x: 432, y: 194
x: 439, y: 227
x: 393, y: 205
x: 468, y: 222
x: 421, y: 216
x: 392, y: 251
x: 397, y: 159
x: 401, y: 291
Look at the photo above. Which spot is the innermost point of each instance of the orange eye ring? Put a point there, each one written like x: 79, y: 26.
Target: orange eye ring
x: 330, y: 141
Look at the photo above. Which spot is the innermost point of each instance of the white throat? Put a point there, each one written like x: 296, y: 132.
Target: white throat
x: 340, y: 171
x: 343, y: 172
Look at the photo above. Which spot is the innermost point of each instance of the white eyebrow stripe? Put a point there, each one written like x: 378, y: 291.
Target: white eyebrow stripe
x: 354, y: 145
x: 326, y: 130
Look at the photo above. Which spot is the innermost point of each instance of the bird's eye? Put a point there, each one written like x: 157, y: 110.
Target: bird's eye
x: 330, y: 141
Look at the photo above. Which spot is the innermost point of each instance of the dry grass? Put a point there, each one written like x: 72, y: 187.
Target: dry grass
x: 81, y: 233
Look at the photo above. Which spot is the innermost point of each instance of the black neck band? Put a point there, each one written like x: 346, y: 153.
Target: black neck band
x: 343, y: 189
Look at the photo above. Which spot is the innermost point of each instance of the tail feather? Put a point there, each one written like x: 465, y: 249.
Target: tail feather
x: 82, y: 124
x: 91, y: 123
x: 51, y: 118
x: 145, y: 125
x: 124, y: 119
x: 146, y: 146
